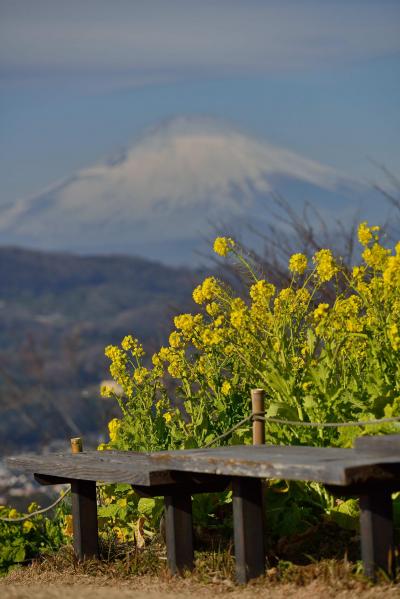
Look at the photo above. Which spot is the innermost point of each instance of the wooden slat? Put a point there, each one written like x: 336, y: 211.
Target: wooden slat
x: 327, y: 465
x: 84, y: 466
x: 386, y: 444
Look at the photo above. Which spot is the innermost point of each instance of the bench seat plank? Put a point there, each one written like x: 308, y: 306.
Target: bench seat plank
x: 332, y: 466
x: 94, y: 466
x: 386, y: 444
x: 326, y: 465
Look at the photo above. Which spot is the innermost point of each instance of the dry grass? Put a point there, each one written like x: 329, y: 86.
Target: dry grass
x: 144, y: 575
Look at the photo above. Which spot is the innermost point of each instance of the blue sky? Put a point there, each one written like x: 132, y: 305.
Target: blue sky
x: 81, y: 79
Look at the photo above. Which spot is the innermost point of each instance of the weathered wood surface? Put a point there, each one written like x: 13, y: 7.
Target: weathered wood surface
x: 385, y: 444
x: 327, y: 465
x: 117, y: 467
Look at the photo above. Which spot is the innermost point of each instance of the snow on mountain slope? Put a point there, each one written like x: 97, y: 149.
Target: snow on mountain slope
x: 159, y: 197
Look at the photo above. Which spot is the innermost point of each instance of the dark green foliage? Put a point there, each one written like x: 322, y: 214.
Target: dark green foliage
x: 23, y: 541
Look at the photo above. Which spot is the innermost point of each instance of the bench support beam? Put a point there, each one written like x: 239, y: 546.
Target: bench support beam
x: 179, y: 532
x: 248, y: 528
x: 84, y: 519
x: 377, y: 539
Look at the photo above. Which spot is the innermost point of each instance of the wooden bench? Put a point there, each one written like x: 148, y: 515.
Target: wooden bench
x: 370, y: 471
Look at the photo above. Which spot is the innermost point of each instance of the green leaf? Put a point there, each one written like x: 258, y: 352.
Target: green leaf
x: 281, y: 409
x: 146, y: 506
x: 346, y: 514
x: 108, y: 511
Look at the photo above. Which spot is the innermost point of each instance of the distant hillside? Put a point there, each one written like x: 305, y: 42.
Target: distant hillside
x: 57, y: 313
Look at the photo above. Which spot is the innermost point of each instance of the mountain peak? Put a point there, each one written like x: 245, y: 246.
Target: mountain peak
x: 155, y: 197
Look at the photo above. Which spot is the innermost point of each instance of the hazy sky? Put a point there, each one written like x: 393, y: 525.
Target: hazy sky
x: 79, y: 79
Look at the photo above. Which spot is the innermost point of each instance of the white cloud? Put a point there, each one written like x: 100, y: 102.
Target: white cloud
x: 192, y: 36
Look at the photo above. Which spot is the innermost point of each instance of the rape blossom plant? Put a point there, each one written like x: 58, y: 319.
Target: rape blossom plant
x: 321, y: 362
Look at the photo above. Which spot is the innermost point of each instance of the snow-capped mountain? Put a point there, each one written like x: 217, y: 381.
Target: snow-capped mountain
x: 160, y: 197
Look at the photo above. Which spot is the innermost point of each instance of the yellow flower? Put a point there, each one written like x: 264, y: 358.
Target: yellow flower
x: 376, y: 256
x: 27, y: 526
x: 105, y: 391
x: 68, y: 529
x: 298, y: 263
x: 229, y: 349
x: 175, y: 339
x: 348, y: 307
x: 226, y: 387
x: 13, y: 513
x: 391, y: 275
x: 238, y: 312
x: 129, y: 343
x: 210, y: 288
x: 364, y: 233
x: 140, y: 374
x: 176, y: 366
x: 113, y: 427
x: 210, y: 337
x: 206, y: 291
x: 163, y: 355
x: 261, y: 291
x: 284, y: 301
x: 321, y: 311
x: 198, y: 295
x: 358, y: 273
x: 394, y: 336
x: 297, y: 362
x: 185, y: 322
x: 212, y: 309
x: 219, y: 321
x: 167, y: 417
x: 326, y: 267
x: 303, y: 296
x: 223, y: 245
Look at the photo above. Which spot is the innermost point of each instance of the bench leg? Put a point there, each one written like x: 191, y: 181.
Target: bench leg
x: 179, y: 532
x: 377, y: 537
x: 84, y: 519
x: 248, y: 521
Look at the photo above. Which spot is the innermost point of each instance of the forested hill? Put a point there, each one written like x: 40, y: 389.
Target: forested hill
x: 57, y: 313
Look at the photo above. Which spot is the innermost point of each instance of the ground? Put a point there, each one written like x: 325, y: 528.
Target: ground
x: 81, y: 587
x: 328, y: 580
